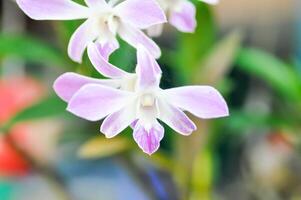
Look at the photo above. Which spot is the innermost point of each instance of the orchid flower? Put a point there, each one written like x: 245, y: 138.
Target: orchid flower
x: 181, y: 14
x: 104, y: 20
x: 138, y: 101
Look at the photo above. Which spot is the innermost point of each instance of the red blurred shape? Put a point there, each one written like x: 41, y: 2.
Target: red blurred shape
x: 11, y: 163
x: 15, y: 95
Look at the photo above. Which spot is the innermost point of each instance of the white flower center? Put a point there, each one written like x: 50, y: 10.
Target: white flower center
x: 147, y: 100
x: 106, y: 22
x: 147, y: 110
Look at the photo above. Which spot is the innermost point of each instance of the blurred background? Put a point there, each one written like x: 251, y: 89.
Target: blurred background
x: 249, y: 50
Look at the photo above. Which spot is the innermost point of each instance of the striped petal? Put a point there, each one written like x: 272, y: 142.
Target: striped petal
x: 148, y: 139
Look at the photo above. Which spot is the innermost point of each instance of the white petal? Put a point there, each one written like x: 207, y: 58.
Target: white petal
x: 102, y: 65
x: 155, y: 31
x: 53, y: 9
x: 93, y: 3
x: 184, y: 19
x: 202, y: 101
x: 141, y: 13
x: 136, y: 37
x: 93, y: 101
x: 68, y: 84
x: 118, y: 121
x: 214, y: 2
x: 79, y: 41
x: 147, y: 70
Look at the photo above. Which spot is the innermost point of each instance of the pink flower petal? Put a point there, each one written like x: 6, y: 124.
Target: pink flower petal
x: 184, y: 19
x: 148, y: 140
x: 148, y: 70
x: 102, y: 65
x: 136, y: 37
x: 141, y: 14
x: 118, y: 121
x: 202, y: 101
x: 68, y: 84
x: 134, y: 123
x: 93, y: 101
x: 107, y: 49
x: 53, y: 9
x: 175, y: 118
x: 79, y: 41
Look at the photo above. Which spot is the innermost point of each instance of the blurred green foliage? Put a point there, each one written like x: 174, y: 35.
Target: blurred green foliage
x: 30, y: 49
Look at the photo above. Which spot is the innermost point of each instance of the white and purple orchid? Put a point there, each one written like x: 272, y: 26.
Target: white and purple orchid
x: 180, y: 13
x: 135, y: 99
x: 104, y: 21
x: 127, y: 99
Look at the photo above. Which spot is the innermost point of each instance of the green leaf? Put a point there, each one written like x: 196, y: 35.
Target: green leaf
x: 48, y: 107
x: 124, y: 57
x: 240, y: 121
x: 193, y: 47
x: 219, y: 60
x: 30, y: 49
x: 280, y: 76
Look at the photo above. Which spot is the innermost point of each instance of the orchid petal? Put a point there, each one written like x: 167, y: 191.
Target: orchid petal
x: 214, y: 2
x: 93, y: 3
x: 148, y: 70
x: 175, y: 118
x: 107, y: 49
x: 53, y: 9
x: 80, y: 40
x: 134, y: 123
x: 148, y: 140
x: 118, y: 121
x: 93, y: 101
x: 202, y: 101
x: 184, y: 19
x: 136, y: 37
x: 141, y: 14
x: 102, y: 65
x: 68, y: 84
x: 155, y: 30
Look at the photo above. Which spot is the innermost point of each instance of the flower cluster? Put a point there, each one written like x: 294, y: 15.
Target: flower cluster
x: 128, y: 99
